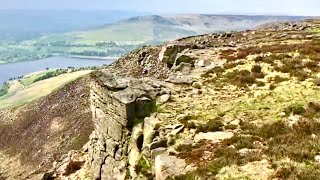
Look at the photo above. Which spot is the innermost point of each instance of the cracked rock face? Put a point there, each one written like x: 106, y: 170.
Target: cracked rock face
x: 116, y: 108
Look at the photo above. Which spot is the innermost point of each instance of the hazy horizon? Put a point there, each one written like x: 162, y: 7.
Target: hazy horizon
x: 241, y: 7
x: 146, y: 13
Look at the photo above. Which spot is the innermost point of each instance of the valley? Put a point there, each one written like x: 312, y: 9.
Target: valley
x: 239, y: 105
x: 124, y: 95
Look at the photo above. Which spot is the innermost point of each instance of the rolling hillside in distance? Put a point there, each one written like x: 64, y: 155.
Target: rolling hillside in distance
x: 117, y: 39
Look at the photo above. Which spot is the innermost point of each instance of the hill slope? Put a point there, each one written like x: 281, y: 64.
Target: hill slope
x: 163, y: 28
x: 241, y: 105
x: 18, y: 25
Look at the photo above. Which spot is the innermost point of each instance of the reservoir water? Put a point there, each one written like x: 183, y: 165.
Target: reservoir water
x: 17, y: 69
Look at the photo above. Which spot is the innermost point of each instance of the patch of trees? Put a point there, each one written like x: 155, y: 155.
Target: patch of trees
x: 58, y: 72
x: 4, y: 89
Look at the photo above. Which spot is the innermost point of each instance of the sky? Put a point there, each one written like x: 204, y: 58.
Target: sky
x: 269, y: 7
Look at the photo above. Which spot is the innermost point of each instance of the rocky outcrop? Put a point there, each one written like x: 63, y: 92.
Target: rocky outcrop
x: 118, y: 107
x: 121, y: 108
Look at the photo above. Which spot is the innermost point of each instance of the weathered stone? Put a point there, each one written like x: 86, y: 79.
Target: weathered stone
x: 116, y: 144
x: 197, y: 85
x: 317, y: 158
x: 157, y: 144
x: 178, y: 79
x: 135, y: 146
x: 170, y: 166
x: 150, y: 124
x: 184, y: 59
x: 179, y: 128
x: 183, y: 67
x: 318, y: 81
x: 169, y: 53
x: 235, y: 122
x: 202, y: 63
x: 158, y: 151
x: 164, y: 98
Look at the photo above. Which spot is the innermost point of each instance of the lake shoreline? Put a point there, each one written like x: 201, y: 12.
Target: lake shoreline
x: 66, y: 56
x: 17, y: 69
x: 92, y: 57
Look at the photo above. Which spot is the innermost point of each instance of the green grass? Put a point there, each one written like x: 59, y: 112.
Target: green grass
x: 38, y: 89
x: 29, y: 79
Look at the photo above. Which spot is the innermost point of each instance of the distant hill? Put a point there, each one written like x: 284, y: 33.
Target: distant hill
x: 26, y: 24
x: 163, y: 28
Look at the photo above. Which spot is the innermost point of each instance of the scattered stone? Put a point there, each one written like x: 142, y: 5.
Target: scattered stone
x: 164, y: 98
x: 283, y: 114
x: 196, y: 92
x: 213, y: 136
x: 197, y: 85
x: 167, y: 166
x: 232, y: 44
x: 292, y: 120
x: 157, y: 144
x: 177, y: 129
x: 245, y: 151
x: 235, y: 122
x: 318, y: 81
x: 178, y: 79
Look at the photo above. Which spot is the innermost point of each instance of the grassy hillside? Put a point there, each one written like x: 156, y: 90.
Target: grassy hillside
x: 23, y: 91
x: 119, y: 38
x: 44, y: 130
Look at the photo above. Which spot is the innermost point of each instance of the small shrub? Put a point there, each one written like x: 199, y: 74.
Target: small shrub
x: 144, y: 167
x: 258, y: 59
x: 186, y: 121
x: 4, y: 89
x: 72, y: 167
x: 230, y: 65
x: 228, y: 52
x: 256, y: 69
x: 313, y: 110
x: 297, y: 171
x: 242, y: 55
x: 278, y: 79
x: 311, y: 65
x: 231, y: 127
x: 260, y: 83
x: 272, y: 86
x: 241, y: 78
x: 211, y: 126
x: 241, y: 141
x: 295, y: 109
x: 216, y: 70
